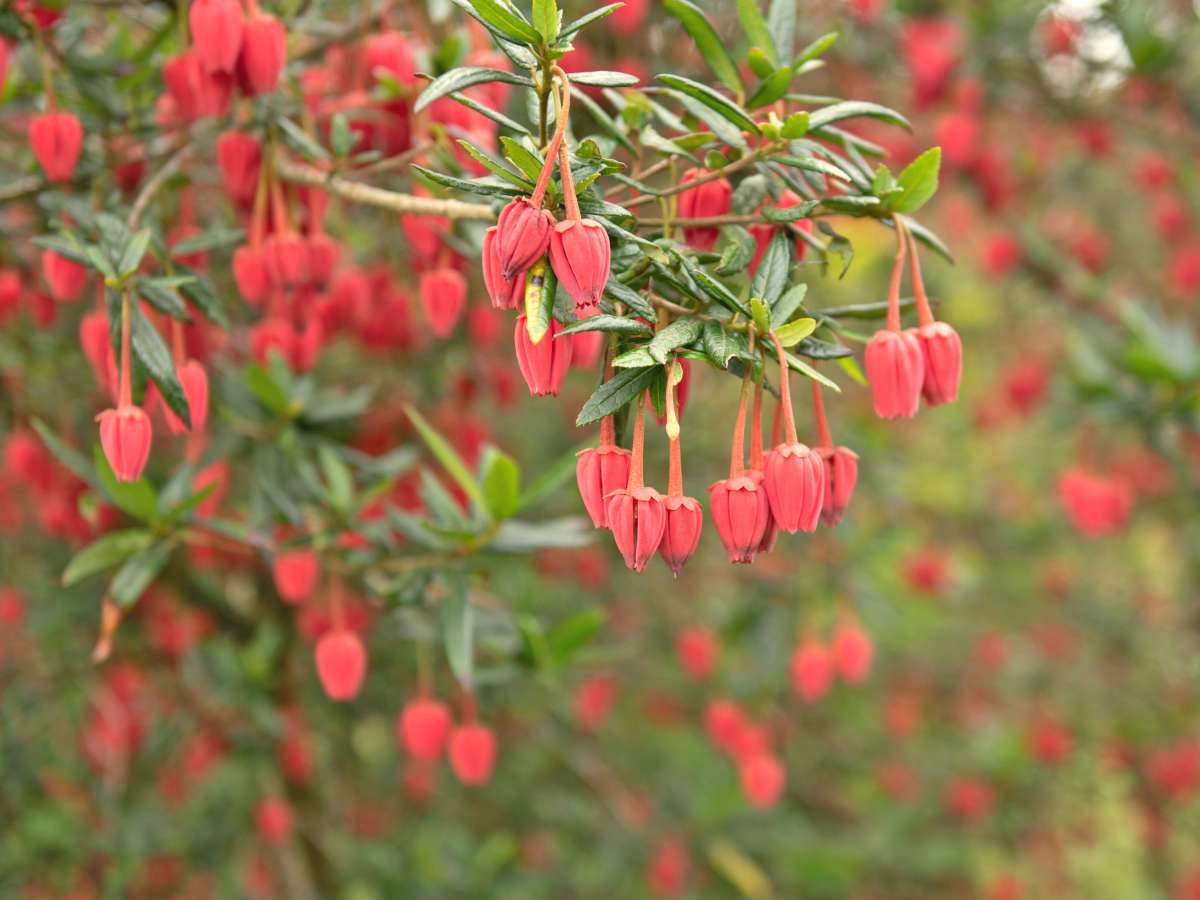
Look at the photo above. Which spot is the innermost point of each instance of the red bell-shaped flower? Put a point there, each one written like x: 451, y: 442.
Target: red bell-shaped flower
x: 713, y: 198
x: 56, y: 139
x: 295, y: 573
x: 250, y: 273
x: 685, y: 521
x: 941, y: 348
x: 599, y: 471
x: 323, y: 255
x: 763, y: 778
x: 505, y: 293
x: 125, y: 436
x: 896, y: 370
x: 580, y: 253
x: 811, y: 670
x: 544, y: 364
x: 852, y: 652
x: 443, y: 297
x: 472, y: 753
x: 264, y: 54
x: 194, y: 380
x: 794, y: 479
x: 423, y: 727
x: 740, y: 510
x: 197, y: 92
x: 637, y: 518
x: 841, y: 474
x: 66, y: 278
x: 522, y: 236
x: 341, y: 663
x: 217, y: 33
x: 286, y: 256
x: 240, y: 158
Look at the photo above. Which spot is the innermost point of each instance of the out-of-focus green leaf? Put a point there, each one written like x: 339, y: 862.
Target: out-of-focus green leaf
x: 708, y: 42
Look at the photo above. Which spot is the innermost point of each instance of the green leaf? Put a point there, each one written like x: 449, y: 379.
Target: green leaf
x: 637, y: 358
x: 796, y: 126
x: 710, y: 45
x: 147, y: 345
x: 785, y: 306
x: 211, y: 239
x: 464, y: 77
x: 267, y: 390
x: 299, y: 140
x: 850, y: 366
x: 550, y: 479
x: 522, y: 157
x: 918, y: 182
x: 138, y: 572
x: 134, y: 251
x: 756, y: 28
x: 604, y: 79
x: 199, y: 292
x: 483, y: 188
x: 66, y: 245
x: 761, y: 314
x: 604, y: 322
x: 546, y: 19
x: 494, y: 166
x: 570, y: 635
x: 813, y: 164
x: 447, y: 456
x: 794, y: 332
x: 583, y: 21
x: 772, y: 88
x: 499, y: 118
x: 104, y: 553
x: 162, y: 298
x: 135, y: 497
x: 501, y: 484
x: 794, y: 362
x: 679, y: 333
x: 633, y: 301
x: 69, y: 457
x: 783, y: 215
x: 718, y: 103
x: 929, y: 238
x: 815, y: 49
x: 339, y: 482
x: 719, y: 292
x: 759, y: 64
x: 781, y: 19
x: 818, y: 349
x: 853, y: 109
x: 774, y: 268
x: 719, y: 344
x: 624, y: 386
x: 506, y: 20
x: 458, y: 633
x: 740, y: 247
x: 603, y: 119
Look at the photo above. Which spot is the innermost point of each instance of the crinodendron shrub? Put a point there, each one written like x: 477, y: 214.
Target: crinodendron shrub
x: 241, y: 244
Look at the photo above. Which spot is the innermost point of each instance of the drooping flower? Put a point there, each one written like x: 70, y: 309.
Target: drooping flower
x: 706, y: 200
x: 217, y: 33
x: 341, y: 663
x: 738, y: 504
x: 841, y: 466
x: 472, y: 753
x: 56, y: 139
x: 793, y: 475
x: 264, y: 53
x: 636, y: 514
x: 543, y: 365
x: 599, y: 471
x: 443, y: 297
x: 685, y: 518
x: 423, y: 728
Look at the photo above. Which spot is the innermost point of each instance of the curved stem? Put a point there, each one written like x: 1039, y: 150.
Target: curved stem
x: 737, y: 448
x: 568, y: 183
x: 279, y: 208
x: 125, y: 392
x: 563, y: 112
x: 639, y: 442
x: 924, y: 313
x: 785, y: 393
x: 893, y: 315
x: 675, y: 475
x: 756, y: 434
x: 824, y: 438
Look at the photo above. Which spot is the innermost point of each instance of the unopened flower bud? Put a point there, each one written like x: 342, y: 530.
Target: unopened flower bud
x: 125, y: 436
x: 896, y: 370
x: 637, y: 518
x: 841, y: 474
x: 56, y: 139
x: 794, y: 478
x: 942, y: 350
x: 443, y: 297
x: 522, y: 236
x: 740, y: 510
x: 544, y: 364
x: 599, y: 472
x: 505, y: 293
x: 685, y: 521
x: 217, y: 33
x: 472, y: 753
x: 580, y: 253
x: 341, y: 663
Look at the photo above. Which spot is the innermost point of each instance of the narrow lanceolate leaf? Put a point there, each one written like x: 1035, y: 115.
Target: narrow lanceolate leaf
x: 482, y: 188
x: 162, y: 298
x: 137, y: 498
x: 918, y: 182
x: 815, y: 49
x: 447, y: 456
x: 504, y: 19
x: 929, y: 238
x: 494, y: 166
x: 719, y: 345
x: 774, y: 268
x: 603, y: 322
x: 793, y: 333
x: 134, y: 251
x: 756, y: 28
x: 105, y: 553
x: 465, y: 77
x: 545, y: 19
x: 624, y: 386
x: 604, y: 79
x: 583, y: 21
x: 300, y: 141
x: 719, y: 292
x: 633, y: 301
x: 69, y: 457
x: 147, y: 345
x: 679, y: 333
x: 799, y: 365
x: 138, y: 572
x: 814, y: 348
x: 717, y: 102
x: 854, y: 109
x: 771, y: 89
x: 199, y: 292
x: 781, y: 19
x: 499, y: 118
x: 813, y: 164
x: 458, y: 633
x: 501, y: 484
x: 786, y: 306
x: 710, y: 45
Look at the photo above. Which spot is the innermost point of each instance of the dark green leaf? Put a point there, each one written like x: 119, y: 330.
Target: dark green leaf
x: 131, y: 258
x: 710, y: 45
x: 853, y: 109
x: 162, y: 298
x: 299, y: 140
x: 483, y: 188
x: 69, y: 457
x: 719, y: 103
x: 212, y: 239
x: 603, y: 322
x: 624, y: 386
x: 464, y: 77
x: 815, y: 348
x: 147, y: 345
x: 199, y: 292
x: 138, y: 572
x: 494, y: 166
x: 719, y: 344
x: 785, y: 307
x: 458, y: 633
x: 679, y: 333
x: 633, y: 301
x: 739, y: 250
x: 719, y: 292
x: 104, y: 553
x: 774, y: 268
x: 499, y: 118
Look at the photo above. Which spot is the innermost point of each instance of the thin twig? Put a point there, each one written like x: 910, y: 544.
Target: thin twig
x: 14, y: 190
x: 155, y: 184
x: 373, y: 196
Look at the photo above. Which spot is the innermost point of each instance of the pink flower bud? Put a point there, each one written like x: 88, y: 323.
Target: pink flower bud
x: 295, y: 573
x: 637, y: 519
x: 599, y: 472
x: 505, y: 293
x: 704, y: 201
x: 811, y: 670
x: 581, y: 254
x: 217, y: 33
x: 341, y: 663
x: 197, y: 93
x: 794, y: 477
x: 240, y: 158
x: 896, y: 370
x: 66, y: 278
x: 763, y: 778
x: 941, y: 348
x: 194, y: 380
x: 443, y: 297
x: 685, y: 520
x: 544, y: 364
x: 852, y: 652
x: 56, y: 139
x: 423, y: 727
x: 522, y: 236
x: 250, y: 273
x: 740, y: 510
x: 264, y: 54
x: 125, y: 436
x: 841, y: 474
x: 472, y: 753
